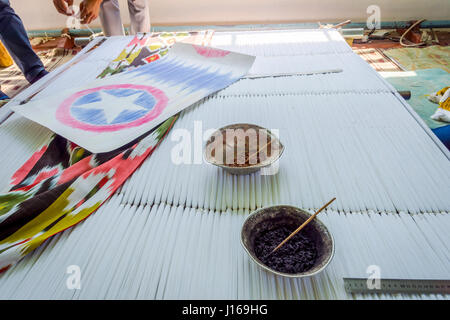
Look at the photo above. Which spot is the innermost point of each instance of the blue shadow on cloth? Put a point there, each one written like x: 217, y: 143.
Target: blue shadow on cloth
x: 443, y: 133
x: 421, y: 83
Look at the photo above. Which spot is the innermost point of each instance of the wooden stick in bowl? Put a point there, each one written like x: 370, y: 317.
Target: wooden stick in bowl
x: 302, y: 226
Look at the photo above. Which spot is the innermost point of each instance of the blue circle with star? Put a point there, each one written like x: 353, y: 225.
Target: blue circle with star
x: 80, y: 108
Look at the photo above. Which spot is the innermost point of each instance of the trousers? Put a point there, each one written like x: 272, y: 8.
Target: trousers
x: 15, y: 40
x: 112, y: 23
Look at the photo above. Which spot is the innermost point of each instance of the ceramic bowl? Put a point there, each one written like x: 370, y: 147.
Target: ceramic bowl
x: 251, y: 168
x: 271, y: 217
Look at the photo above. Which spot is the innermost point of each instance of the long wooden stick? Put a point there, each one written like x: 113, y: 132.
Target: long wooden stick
x: 290, y: 74
x: 259, y: 150
x: 342, y: 24
x: 303, y: 225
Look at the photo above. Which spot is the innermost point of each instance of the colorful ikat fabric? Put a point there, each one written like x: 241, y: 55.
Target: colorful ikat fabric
x: 62, y: 183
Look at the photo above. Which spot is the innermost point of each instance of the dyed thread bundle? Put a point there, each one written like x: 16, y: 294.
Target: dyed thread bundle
x: 390, y: 179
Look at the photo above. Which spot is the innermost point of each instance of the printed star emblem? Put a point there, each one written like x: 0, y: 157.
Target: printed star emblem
x: 112, y: 106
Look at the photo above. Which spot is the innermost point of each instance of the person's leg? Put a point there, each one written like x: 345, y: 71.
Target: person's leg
x: 15, y: 39
x: 139, y: 16
x: 110, y: 18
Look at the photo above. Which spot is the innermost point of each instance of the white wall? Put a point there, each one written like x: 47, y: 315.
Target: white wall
x: 40, y: 14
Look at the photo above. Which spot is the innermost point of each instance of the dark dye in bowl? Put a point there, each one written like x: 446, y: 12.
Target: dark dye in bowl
x: 297, y: 255
x: 306, y: 254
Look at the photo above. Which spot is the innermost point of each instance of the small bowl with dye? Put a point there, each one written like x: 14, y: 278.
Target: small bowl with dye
x: 251, y: 148
x: 270, y: 218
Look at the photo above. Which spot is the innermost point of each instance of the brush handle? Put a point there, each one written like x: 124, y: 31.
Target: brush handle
x: 303, y: 225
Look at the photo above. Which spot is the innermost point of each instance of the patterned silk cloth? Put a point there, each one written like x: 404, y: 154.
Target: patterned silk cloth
x: 62, y: 184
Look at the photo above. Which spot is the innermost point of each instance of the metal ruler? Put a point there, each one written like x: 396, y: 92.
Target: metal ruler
x: 359, y: 285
